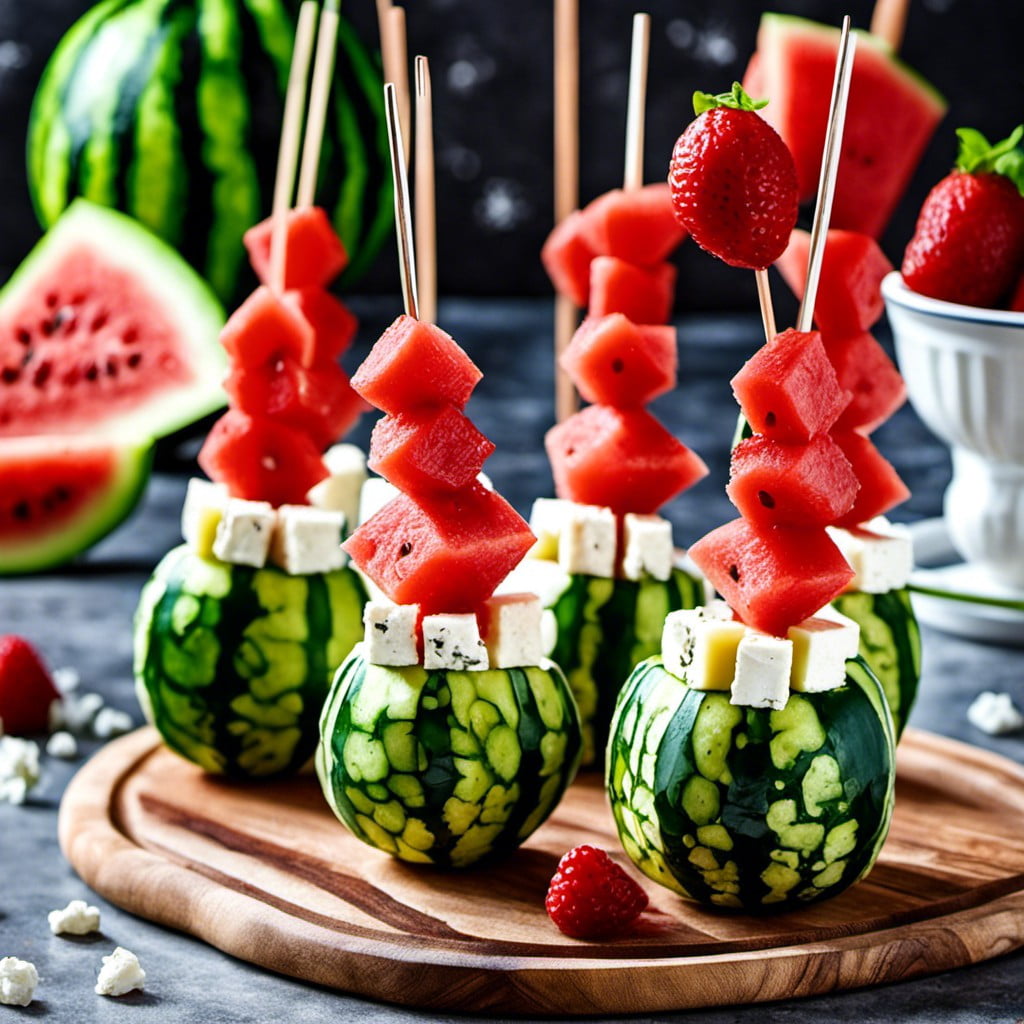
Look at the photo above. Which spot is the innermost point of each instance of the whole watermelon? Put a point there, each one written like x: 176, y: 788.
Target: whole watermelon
x: 171, y: 111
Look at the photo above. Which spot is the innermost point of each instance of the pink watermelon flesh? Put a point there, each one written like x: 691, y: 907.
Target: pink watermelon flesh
x: 264, y: 329
x: 428, y: 452
x: 643, y: 294
x: 446, y: 554
x: 865, y: 370
x: 891, y: 115
x: 567, y: 257
x: 880, y: 485
x: 333, y: 325
x: 772, y: 578
x: 616, y: 362
x: 314, y: 254
x: 788, y: 390
x: 638, y: 226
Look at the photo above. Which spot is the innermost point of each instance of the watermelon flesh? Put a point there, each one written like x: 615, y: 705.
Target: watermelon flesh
x: 333, y: 324
x: 567, y: 258
x: 313, y: 253
x: 264, y: 329
x: 864, y: 369
x: 638, y: 226
x: 643, y: 294
x: 880, y: 485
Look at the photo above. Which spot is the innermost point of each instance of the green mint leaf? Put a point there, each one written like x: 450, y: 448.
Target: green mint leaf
x: 735, y: 99
x: 979, y: 156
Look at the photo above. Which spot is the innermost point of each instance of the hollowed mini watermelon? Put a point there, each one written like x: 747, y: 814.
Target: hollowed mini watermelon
x: 104, y: 329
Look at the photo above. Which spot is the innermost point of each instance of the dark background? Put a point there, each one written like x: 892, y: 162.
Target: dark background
x: 491, y: 68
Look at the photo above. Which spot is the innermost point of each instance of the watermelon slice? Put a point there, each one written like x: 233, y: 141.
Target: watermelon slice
x: 638, y: 226
x: 891, y: 115
x: 644, y: 294
x: 567, y: 258
x: 880, y: 485
x: 59, y: 495
x: 864, y: 369
x: 264, y: 330
x: 105, y: 329
x: 314, y: 254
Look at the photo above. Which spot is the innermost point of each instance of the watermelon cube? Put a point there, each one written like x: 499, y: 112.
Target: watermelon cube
x: 809, y: 484
x: 644, y: 294
x: 265, y: 329
x: 880, y: 485
x: 638, y: 226
x: 616, y: 362
x: 428, y: 451
x: 849, y: 296
x: 445, y: 553
x: 788, y: 390
x: 620, y: 458
x: 314, y: 254
x: 334, y: 326
x: 772, y: 578
x: 567, y: 257
x: 415, y: 365
x: 865, y: 370
x: 261, y: 460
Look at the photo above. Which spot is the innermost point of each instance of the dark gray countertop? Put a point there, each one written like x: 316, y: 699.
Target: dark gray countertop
x: 81, y: 617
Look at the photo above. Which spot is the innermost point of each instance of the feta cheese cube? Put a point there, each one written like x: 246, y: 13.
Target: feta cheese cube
x: 244, y: 532
x: 121, y: 973
x: 63, y: 745
x: 453, y: 642
x: 763, y: 667
x: 201, y: 514
x: 881, y: 561
x: 77, y: 918
x: 390, y: 633
x: 308, y: 540
x: 547, y: 520
x: 18, y: 981
x: 995, y: 714
x: 821, y: 646
x: 648, y: 549
x: 587, y: 542
x: 512, y: 630
x: 375, y: 494
x: 110, y: 722
x: 19, y: 768
x: 341, y: 491
x: 547, y: 579
x: 699, y: 645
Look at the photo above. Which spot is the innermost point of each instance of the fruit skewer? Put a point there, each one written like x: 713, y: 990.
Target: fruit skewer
x: 425, y: 212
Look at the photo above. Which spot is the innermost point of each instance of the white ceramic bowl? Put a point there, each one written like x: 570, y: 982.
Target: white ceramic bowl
x: 964, y: 369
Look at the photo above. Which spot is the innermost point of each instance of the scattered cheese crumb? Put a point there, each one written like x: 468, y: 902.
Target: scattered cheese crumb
x: 63, y: 745
x: 121, y: 973
x: 110, y: 722
x: 66, y: 679
x: 77, y: 918
x: 18, y: 981
x: 995, y: 714
x: 75, y: 714
x: 19, y: 768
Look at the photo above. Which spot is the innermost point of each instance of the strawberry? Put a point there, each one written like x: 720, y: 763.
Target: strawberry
x: 591, y: 897
x: 968, y: 245
x: 733, y: 181
x: 26, y: 687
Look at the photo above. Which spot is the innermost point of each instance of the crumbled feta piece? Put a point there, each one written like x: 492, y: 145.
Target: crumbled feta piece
x: 19, y: 768
x: 699, y: 645
x: 63, y: 745
x: 995, y: 714
x: 308, y: 540
x: 390, y: 633
x: 547, y: 520
x: 201, y: 514
x: 66, y: 679
x: 511, y: 626
x: 881, y: 561
x: 547, y: 579
x: 821, y: 647
x: 453, y: 642
x: 763, y: 666
x: 376, y: 493
x: 587, y: 542
x: 110, y: 722
x: 18, y: 981
x: 121, y: 973
x: 340, y: 491
x: 244, y: 532
x: 74, y: 713
x: 647, y: 547
x: 77, y: 918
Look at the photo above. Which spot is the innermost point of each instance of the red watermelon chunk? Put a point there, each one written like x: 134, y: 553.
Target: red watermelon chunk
x: 314, y: 254
x: 428, y: 451
x: 264, y: 329
x: 849, y: 295
x: 638, y: 226
x: 567, y: 257
x: 772, y: 578
x: 788, y: 390
x: 644, y: 294
x: 445, y: 553
x: 415, y: 365
x: 334, y: 326
x: 620, y: 458
x: 880, y: 485
x: 616, y: 362
x: 261, y: 460
x: 774, y: 484
x: 865, y: 370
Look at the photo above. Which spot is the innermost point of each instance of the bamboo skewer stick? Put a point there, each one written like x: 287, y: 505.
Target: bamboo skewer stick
x: 764, y: 298
x: 425, y: 209
x: 323, y: 72
x: 403, y: 218
x: 889, y: 22
x: 633, y: 174
x: 396, y: 69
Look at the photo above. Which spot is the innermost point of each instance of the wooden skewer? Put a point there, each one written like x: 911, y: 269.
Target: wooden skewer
x: 829, y: 170
x: 764, y: 297
x: 396, y: 68
x: 288, y: 149
x: 889, y: 22
x: 633, y: 176
x: 323, y: 72
x: 425, y: 211
x: 403, y: 208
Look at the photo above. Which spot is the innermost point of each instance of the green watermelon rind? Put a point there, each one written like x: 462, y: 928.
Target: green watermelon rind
x: 182, y: 296
x: 99, y: 518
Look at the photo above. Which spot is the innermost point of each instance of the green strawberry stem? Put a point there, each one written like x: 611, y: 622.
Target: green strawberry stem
x: 735, y: 99
x: 978, y: 156
x: 1009, y: 603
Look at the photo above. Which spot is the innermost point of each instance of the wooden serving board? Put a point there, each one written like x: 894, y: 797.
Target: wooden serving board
x: 267, y: 874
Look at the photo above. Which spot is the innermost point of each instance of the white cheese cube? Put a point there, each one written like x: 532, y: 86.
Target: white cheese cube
x: 390, y: 633
x: 375, y: 494
x: 111, y: 722
x: 308, y: 540
x: 699, y: 645
x: 121, y: 973
x: 19, y: 768
x: 77, y: 918
x: 547, y: 520
x: 63, y: 745
x: 995, y: 714
x: 821, y: 646
x: 512, y: 630
x: 647, y: 547
x: 244, y: 532
x: 18, y: 981
x: 763, y: 667
x: 453, y: 642
x: 587, y: 543
x: 201, y: 514
x: 548, y: 580
x: 880, y: 561
x: 341, y: 491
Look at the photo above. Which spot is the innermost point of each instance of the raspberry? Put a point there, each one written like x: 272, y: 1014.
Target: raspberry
x: 591, y: 897
x: 26, y: 687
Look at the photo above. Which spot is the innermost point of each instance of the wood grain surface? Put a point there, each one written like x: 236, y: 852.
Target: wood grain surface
x: 267, y: 874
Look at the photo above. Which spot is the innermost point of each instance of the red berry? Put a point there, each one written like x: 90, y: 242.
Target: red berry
x: 591, y: 897
x: 26, y: 687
